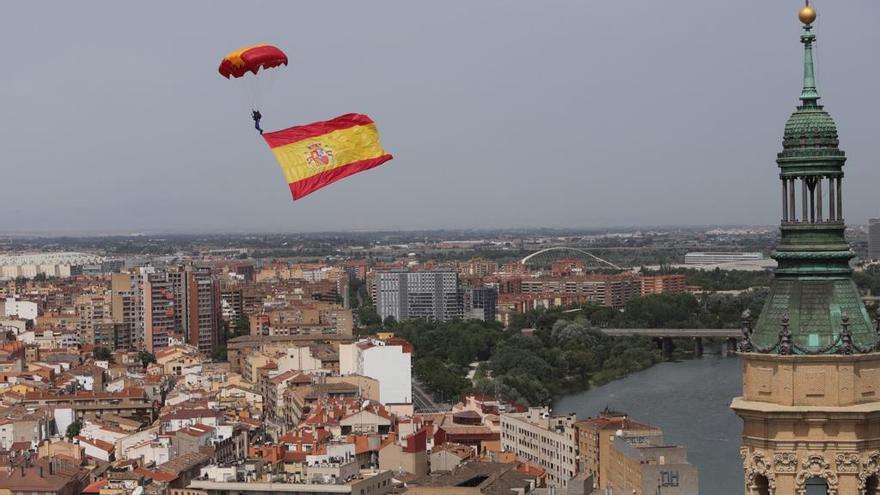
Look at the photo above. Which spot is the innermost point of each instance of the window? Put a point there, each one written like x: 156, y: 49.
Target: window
x: 816, y: 486
x: 761, y: 486
x: 871, y: 485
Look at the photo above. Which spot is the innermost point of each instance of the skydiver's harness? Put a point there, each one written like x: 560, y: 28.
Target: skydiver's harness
x: 256, y: 115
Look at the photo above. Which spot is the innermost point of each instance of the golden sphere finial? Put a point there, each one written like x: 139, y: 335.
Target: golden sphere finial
x: 807, y: 15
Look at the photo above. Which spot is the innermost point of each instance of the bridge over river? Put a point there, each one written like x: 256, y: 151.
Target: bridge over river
x: 719, y: 333
x: 664, y: 336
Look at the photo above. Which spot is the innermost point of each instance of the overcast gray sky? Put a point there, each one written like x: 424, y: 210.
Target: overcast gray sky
x: 499, y: 113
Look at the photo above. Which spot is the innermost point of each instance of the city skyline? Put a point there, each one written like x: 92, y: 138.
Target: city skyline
x: 147, y: 137
x: 353, y: 342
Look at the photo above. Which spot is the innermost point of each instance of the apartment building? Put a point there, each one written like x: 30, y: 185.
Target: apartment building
x: 538, y: 438
x: 179, y: 303
x: 626, y: 456
x: 203, y: 324
x: 663, y: 284
x: 126, y: 300
x: 91, y: 311
x: 389, y: 361
x: 480, y: 303
x: 636, y: 468
x: 408, y: 295
x: 702, y: 258
x: 605, y: 290
x: 596, y: 436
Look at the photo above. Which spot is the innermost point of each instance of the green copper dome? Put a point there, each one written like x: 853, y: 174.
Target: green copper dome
x: 810, y: 143
x: 814, y: 306
x: 810, y: 127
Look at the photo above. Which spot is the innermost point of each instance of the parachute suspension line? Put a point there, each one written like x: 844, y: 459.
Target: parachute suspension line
x: 268, y: 79
x: 262, y: 88
x: 256, y: 93
x: 255, y: 105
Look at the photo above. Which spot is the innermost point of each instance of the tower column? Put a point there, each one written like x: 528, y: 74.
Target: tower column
x: 839, y: 199
x: 811, y: 185
x: 784, y: 200
x: 792, y: 215
x: 804, y: 199
x: 819, y: 182
x: 831, y: 215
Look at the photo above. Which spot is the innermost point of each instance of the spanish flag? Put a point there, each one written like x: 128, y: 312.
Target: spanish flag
x: 319, y: 154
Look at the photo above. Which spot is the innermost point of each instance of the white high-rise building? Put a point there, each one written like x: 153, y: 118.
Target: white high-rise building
x: 388, y: 362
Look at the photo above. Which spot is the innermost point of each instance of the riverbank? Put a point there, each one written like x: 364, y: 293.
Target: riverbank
x: 683, y: 350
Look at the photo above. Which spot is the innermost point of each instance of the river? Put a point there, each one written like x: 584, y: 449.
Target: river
x: 690, y: 401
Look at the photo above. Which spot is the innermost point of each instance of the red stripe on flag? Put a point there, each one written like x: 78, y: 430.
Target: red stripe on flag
x: 300, y: 132
x: 306, y: 186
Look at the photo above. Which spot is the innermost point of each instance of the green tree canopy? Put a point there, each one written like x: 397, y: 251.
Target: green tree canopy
x: 73, y: 429
x: 103, y: 354
x: 146, y: 358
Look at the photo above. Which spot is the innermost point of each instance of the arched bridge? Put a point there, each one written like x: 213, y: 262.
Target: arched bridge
x: 572, y: 249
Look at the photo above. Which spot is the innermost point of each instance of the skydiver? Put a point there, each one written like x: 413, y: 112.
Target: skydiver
x: 256, y: 115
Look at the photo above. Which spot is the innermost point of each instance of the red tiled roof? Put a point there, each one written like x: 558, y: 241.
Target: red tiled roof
x: 95, y: 487
x: 283, y: 377
x: 467, y: 414
x: 294, y: 456
x: 101, y: 444
x: 615, y: 423
x: 305, y: 437
x: 160, y: 476
x: 459, y: 450
x: 252, y: 422
x: 18, y: 446
x: 530, y: 470
x: 391, y: 438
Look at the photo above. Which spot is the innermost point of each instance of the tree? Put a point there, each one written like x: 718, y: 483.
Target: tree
x: 103, y: 354
x: 367, y: 316
x: 73, y: 429
x: 219, y: 354
x: 242, y: 326
x: 444, y: 381
x: 146, y: 358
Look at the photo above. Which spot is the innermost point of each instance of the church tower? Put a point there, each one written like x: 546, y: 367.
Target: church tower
x: 811, y: 361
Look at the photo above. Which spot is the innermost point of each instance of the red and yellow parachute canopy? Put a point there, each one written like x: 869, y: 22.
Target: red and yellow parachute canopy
x: 251, y: 59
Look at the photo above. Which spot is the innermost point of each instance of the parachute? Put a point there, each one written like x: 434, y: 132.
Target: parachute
x: 251, y: 59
